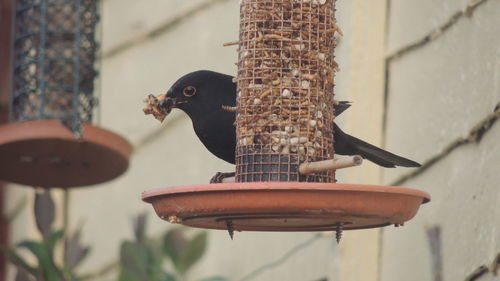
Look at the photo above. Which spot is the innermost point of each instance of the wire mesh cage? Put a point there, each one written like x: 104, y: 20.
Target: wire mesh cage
x: 54, y: 55
x: 285, y: 98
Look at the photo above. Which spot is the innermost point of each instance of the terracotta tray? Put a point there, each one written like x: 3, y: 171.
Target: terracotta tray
x: 285, y: 206
x: 44, y: 153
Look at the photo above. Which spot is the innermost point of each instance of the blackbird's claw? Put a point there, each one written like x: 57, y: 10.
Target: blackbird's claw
x: 217, y: 178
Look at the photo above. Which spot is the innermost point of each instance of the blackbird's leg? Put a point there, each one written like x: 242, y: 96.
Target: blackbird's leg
x: 220, y: 176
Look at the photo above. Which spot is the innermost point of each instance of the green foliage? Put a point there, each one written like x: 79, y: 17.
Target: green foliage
x: 165, y: 258
x: 138, y: 262
x: 216, y: 278
x: 146, y: 259
x: 183, y: 253
x: 46, y: 268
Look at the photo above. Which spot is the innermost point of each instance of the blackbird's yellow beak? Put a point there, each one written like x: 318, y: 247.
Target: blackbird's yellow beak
x: 166, y: 103
x: 159, y: 106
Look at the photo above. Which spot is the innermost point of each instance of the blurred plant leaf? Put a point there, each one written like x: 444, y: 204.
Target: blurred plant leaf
x: 174, y: 245
x: 140, y: 227
x: 45, y: 262
x: 214, y: 278
x: 194, y: 251
x: 75, y: 252
x: 168, y: 277
x: 158, y: 257
x: 136, y: 260
x: 22, y: 275
x: 126, y: 276
x: 143, y: 259
x: 44, y: 212
x: 43, y: 251
x: 36, y: 248
x: 53, y: 239
x: 18, y: 261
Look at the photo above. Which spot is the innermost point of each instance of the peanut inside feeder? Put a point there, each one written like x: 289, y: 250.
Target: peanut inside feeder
x: 285, y: 98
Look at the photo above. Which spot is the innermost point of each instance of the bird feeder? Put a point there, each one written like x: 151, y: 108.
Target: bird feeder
x: 50, y: 141
x: 285, y: 166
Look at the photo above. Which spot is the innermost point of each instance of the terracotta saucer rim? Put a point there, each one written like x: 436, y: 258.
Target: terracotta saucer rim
x: 54, y: 129
x: 43, y: 130
x: 150, y: 195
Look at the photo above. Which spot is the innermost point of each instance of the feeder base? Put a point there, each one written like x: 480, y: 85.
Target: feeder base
x: 44, y: 153
x: 286, y: 206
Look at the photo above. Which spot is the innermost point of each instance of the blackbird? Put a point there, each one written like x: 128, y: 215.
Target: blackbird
x: 207, y: 97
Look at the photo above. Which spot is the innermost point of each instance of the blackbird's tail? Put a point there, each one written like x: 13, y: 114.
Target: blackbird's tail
x: 349, y: 145
x: 340, y: 107
x: 380, y: 156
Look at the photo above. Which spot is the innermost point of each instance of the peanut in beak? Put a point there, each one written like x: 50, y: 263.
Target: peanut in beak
x: 152, y: 106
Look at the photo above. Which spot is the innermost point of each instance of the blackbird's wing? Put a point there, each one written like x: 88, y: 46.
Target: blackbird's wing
x: 348, y: 145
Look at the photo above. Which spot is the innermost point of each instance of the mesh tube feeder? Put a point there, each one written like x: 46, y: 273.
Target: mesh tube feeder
x: 285, y: 90
x: 50, y: 141
x: 285, y: 166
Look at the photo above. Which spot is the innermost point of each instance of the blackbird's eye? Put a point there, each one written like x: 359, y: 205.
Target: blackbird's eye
x: 189, y: 91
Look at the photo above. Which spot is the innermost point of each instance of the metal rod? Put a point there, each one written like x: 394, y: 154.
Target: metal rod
x: 13, y: 13
x: 76, y: 126
x: 65, y: 214
x: 40, y: 66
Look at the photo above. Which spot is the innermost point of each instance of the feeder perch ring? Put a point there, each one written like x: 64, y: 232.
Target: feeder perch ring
x: 286, y: 206
x: 44, y: 153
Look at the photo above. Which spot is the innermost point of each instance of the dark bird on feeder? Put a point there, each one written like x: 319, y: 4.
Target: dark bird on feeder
x: 207, y: 98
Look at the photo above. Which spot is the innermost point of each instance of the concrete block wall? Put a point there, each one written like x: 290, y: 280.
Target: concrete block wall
x: 443, y: 80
